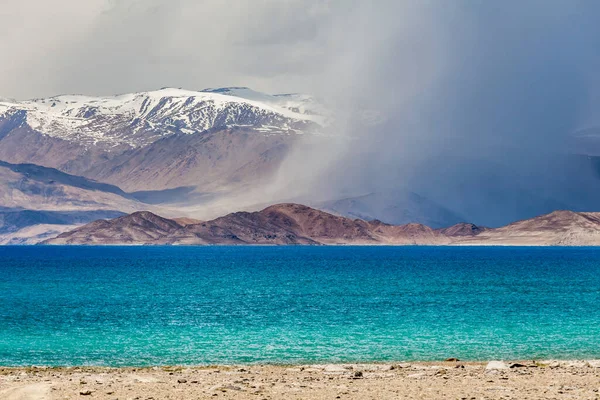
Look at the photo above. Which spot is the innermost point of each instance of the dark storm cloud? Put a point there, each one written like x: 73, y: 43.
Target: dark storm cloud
x: 478, y: 99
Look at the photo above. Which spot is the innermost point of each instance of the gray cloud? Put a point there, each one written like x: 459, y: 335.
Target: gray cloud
x: 103, y: 47
x: 480, y: 101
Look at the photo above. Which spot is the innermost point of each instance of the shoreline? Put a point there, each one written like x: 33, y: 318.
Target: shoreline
x: 406, y: 380
x: 540, y: 362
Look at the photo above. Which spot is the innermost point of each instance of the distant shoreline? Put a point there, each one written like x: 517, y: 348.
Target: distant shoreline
x: 302, y: 245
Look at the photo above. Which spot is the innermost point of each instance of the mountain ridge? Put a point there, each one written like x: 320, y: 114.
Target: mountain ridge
x: 162, y: 139
x: 203, y: 151
x: 140, y: 118
x: 290, y: 223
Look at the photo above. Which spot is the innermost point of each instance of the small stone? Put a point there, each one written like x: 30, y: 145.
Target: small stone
x: 358, y: 374
x: 517, y: 365
x: 86, y: 393
x: 452, y: 359
x: 492, y: 365
x: 181, y: 380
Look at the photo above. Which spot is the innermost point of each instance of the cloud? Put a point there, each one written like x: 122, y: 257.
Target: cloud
x: 106, y: 47
x: 479, y: 101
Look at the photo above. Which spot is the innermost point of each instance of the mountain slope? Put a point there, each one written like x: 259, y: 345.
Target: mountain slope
x: 28, y: 186
x: 54, y: 176
x: 15, y: 220
x: 394, y: 207
x: 298, y: 224
x: 278, y: 224
x: 166, y: 139
x: 34, y: 234
x: 35, y: 198
x: 559, y: 228
x: 139, y: 227
x: 138, y: 119
x: 209, y: 161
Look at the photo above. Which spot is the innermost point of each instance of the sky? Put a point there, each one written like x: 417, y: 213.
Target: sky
x: 503, y: 81
x: 109, y: 46
x: 112, y: 46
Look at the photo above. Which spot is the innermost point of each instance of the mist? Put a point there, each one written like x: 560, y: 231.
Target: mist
x: 476, y: 106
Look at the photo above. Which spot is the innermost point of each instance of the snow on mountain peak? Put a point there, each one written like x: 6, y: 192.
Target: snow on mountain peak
x: 137, y: 119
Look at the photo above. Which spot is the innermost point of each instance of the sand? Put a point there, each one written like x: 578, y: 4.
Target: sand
x: 443, y: 380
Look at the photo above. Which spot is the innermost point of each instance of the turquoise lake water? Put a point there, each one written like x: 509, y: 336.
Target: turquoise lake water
x: 137, y: 306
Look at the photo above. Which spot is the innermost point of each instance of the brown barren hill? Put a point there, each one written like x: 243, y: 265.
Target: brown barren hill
x: 278, y: 224
x: 141, y: 227
x: 559, y: 228
x: 298, y: 224
x: 462, y: 229
x: 281, y: 224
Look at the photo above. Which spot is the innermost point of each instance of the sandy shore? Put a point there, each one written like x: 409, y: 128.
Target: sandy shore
x: 443, y: 380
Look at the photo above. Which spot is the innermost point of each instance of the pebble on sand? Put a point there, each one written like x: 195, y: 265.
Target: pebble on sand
x: 492, y: 365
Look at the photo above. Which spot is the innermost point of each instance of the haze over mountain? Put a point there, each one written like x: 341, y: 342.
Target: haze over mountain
x: 424, y: 111
x: 157, y: 140
x: 205, y: 153
x: 37, y: 202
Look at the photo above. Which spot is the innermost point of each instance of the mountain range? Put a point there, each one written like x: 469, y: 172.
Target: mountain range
x: 72, y: 159
x: 82, y: 154
x: 285, y: 224
x: 158, y: 140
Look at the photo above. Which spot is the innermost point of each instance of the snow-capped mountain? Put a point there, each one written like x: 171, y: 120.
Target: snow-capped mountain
x: 137, y: 119
x: 294, y: 102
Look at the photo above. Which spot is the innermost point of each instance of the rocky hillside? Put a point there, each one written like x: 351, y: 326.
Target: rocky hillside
x: 559, y: 228
x: 37, y: 201
x: 278, y: 224
x: 159, y: 140
x: 28, y: 186
x: 138, y: 119
x: 298, y: 224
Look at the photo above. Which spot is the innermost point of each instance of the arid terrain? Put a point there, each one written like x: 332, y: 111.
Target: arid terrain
x: 203, y: 154
x: 298, y: 224
x: 443, y: 380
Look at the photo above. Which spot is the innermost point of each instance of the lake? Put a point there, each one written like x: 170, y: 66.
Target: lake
x: 137, y: 306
